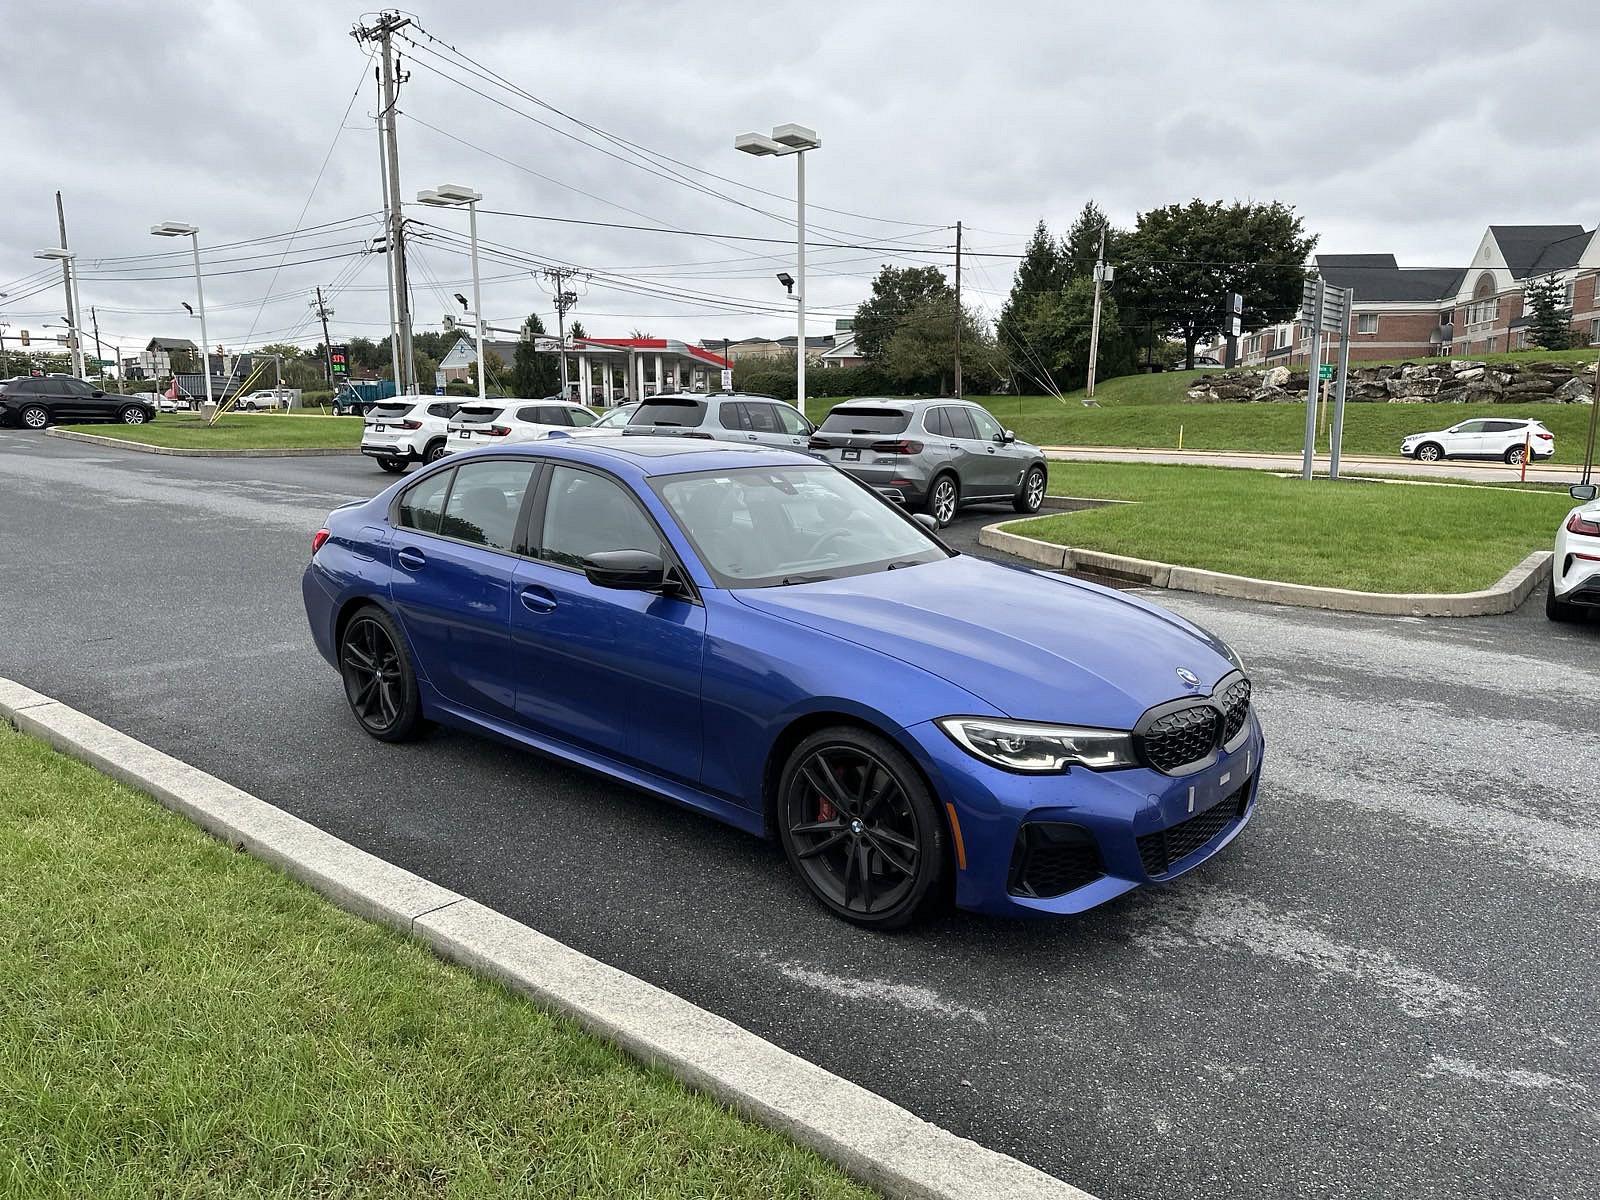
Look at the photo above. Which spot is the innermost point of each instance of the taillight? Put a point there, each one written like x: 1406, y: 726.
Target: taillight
x: 1576, y: 524
x: 499, y: 430
x: 318, y: 540
x: 408, y: 425
x: 819, y: 443
x: 1545, y: 437
x: 903, y: 446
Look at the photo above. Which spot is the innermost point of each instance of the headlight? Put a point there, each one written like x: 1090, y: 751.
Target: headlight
x: 1036, y: 749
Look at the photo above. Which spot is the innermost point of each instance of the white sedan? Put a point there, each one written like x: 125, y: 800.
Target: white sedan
x: 1503, y: 438
x: 1575, y: 571
x: 609, y: 422
x: 501, y: 422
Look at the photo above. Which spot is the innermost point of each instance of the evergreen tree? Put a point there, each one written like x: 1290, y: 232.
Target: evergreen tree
x: 1042, y: 272
x: 1545, y: 301
x: 578, y: 331
x: 534, y: 374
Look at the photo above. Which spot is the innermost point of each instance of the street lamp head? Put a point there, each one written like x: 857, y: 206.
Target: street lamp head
x: 796, y: 137
x: 461, y: 300
x: 174, y: 229
x: 758, y: 144
x: 55, y: 252
x: 787, y: 280
x: 448, y: 195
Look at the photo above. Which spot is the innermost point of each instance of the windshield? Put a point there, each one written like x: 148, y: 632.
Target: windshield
x: 476, y: 416
x: 766, y: 526
x: 617, y: 416
x: 866, y: 420
x: 686, y: 414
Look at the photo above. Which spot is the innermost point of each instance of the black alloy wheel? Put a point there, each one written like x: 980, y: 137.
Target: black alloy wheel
x: 35, y: 417
x: 392, y: 465
x: 860, y: 827
x: 378, y: 680
x: 1030, y: 496
x: 133, y: 415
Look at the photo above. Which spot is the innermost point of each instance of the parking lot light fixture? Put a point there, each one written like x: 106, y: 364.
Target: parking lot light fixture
x: 795, y: 140
x: 192, y: 232
x: 454, y: 195
x: 66, y: 258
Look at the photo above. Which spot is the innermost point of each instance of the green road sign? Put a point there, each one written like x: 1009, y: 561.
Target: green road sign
x: 1325, y: 372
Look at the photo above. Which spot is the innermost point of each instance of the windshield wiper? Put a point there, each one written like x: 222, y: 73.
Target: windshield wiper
x: 905, y: 562
x: 791, y: 579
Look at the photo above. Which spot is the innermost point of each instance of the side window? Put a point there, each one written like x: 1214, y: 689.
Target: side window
x: 1471, y: 427
x: 762, y: 418
x: 530, y: 415
x: 550, y: 414
x: 580, y: 417
x: 423, y: 505
x: 485, y: 501
x: 988, y: 428
x: 791, y: 420
x: 936, y: 423
x: 442, y: 410
x: 733, y: 416
x: 961, y: 425
x: 586, y: 513
x: 76, y: 387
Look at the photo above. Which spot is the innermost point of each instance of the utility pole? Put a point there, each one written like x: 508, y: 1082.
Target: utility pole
x: 565, y: 299
x: 958, y: 310
x: 388, y: 263
x: 325, y: 312
x: 1094, y: 327
x: 382, y: 31
x: 72, y: 300
x: 99, y: 355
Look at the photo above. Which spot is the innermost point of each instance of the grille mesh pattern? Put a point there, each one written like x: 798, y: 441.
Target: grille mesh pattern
x: 1235, y: 704
x: 1180, y: 737
x: 1158, y: 851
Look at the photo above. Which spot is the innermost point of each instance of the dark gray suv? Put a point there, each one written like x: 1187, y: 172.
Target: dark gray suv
x: 724, y: 416
x: 934, y: 455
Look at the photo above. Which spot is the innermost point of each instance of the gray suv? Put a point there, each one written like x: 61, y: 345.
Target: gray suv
x: 935, y: 455
x: 723, y: 416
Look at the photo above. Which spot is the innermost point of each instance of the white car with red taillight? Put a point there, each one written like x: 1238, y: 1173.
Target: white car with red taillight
x: 407, y: 429
x: 503, y: 422
x: 1575, y: 571
x: 1504, y: 438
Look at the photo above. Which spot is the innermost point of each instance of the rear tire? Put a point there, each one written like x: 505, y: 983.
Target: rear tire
x: 1030, y: 495
x: 860, y: 827
x: 380, y: 681
x: 393, y: 466
x: 35, y: 417
x: 1558, y: 610
x: 434, y: 452
x: 1429, y: 452
x: 944, y: 499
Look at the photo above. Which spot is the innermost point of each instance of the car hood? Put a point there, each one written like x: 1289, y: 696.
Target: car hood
x: 1036, y: 646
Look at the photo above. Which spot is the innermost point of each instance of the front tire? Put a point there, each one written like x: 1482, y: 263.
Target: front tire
x: 380, y: 682
x: 132, y: 415
x: 944, y: 498
x: 1030, y: 496
x: 1428, y: 452
x: 1514, y: 456
x: 860, y: 827
x: 35, y: 417
x: 392, y: 465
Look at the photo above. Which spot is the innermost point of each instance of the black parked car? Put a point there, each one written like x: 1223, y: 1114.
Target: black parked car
x: 39, y: 400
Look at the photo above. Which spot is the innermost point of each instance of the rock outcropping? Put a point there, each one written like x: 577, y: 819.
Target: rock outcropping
x: 1456, y: 381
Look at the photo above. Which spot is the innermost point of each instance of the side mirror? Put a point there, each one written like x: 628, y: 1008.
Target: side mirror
x: 927, y: 521
x: 626, y: 570
x: 1583, y: 491
x: 1007, y: 437
x: 98, y: 394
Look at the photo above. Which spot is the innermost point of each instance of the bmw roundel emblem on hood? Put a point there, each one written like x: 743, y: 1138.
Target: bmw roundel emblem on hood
x: 1188, y: 676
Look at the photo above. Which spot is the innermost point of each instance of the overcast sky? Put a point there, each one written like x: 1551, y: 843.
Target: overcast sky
x: 1403, y: 127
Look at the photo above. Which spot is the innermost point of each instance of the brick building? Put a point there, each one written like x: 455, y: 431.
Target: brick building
x: 1401, y: 312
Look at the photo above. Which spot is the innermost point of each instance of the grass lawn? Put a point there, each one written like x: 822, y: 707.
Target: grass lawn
x: 178, y: 1019
x: 1375, y: 537
x: 1275, y: 428
x: 239, y: 431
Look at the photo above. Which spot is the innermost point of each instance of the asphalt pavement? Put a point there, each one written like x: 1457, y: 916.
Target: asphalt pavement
x: 1385, y: 987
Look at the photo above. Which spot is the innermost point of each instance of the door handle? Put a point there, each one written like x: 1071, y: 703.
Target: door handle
x: 751, y: 436
x: 991, y: 449
x: 953, y: 446
x: 411, y: 560
x: 536, y: 599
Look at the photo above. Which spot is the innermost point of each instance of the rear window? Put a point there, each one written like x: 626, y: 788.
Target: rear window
x: 685, y: 414
x: 867, y: 420
x: 385, y: 412
x: 477, y: 416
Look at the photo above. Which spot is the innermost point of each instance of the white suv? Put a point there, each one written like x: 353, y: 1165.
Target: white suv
x: 500, y: 422
x: 407, y: 429
x: 1483, y: 437
x: 1575, y: 571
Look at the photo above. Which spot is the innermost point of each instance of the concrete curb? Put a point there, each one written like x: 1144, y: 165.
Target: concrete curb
x: 185, y: 452
x: 875, y: 1141
x: 1505, y: 596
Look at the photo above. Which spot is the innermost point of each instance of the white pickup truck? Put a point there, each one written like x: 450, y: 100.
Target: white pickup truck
x: 268, y: 399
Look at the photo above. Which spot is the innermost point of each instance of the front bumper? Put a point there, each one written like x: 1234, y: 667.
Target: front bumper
x: 1145, y: 826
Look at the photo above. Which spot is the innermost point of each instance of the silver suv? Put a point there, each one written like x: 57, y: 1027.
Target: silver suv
x: 935, y: 455
x: 723, y: 416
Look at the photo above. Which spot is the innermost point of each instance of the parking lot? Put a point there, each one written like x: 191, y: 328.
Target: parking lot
x: 1385, y: 986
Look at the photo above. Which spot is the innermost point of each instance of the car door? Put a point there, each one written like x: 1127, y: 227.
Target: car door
x: 615, y: 672
x: 941, y: 449
x: 972, y: 462
x: 796, y: 430
x: 1001, y: 462
x: 765, y: 429
x: 1465, y: 440
x: 65, y: 402
x: 1500, y: 436
x: 453, y: 559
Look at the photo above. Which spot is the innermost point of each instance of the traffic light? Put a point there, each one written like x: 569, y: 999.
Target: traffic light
x: 339, y: 360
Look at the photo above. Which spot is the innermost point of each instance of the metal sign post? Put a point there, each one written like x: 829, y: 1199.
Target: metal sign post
x: 1325, y: 308
x: 1336, y: 438
x: 1311, y: 309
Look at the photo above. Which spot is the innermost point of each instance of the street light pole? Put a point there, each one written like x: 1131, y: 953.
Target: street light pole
x: 454, y: 195
x: 65, y: 257
x: 192, y: 232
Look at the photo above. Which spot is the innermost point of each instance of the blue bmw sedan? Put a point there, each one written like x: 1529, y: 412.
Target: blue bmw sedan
x: 753, y: 634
